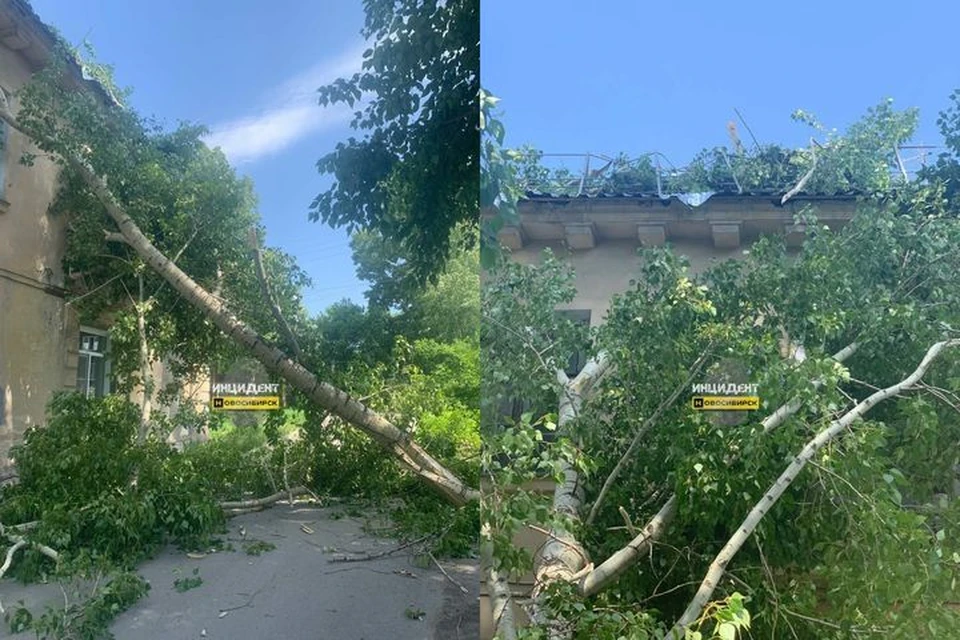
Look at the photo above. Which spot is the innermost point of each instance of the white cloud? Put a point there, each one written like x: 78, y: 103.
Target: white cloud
x: 292, y: 113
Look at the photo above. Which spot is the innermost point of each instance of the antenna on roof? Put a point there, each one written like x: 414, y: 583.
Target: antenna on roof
x: 747, y: 127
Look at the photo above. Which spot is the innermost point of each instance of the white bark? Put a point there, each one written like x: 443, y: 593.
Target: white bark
x: 562, y: 557
x: 806, y: 177
x: 501, y: 600
x: 749, y: 525
x: 615, y: 565
x: 257, y: 503
x: 146, y: 374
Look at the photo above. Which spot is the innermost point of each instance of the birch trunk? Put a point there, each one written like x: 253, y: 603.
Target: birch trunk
x: 501, y: 600
x: 384, y: 433
x: 562, y: 557
x: 749, y: 525
x: 146, y: 375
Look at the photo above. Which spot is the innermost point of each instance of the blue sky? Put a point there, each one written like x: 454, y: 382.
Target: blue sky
x: 636, y: 77
x: 248, y: 70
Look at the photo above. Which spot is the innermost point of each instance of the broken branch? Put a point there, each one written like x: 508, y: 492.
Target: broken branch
x: 806, y: 177
x: 750, y: 523
x: 269, y: 297
x: 256, y: 503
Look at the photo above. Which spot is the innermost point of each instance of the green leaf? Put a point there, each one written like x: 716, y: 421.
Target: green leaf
x: 727, y: 631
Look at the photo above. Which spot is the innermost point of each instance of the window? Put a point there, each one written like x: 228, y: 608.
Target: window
x: 92, y: 363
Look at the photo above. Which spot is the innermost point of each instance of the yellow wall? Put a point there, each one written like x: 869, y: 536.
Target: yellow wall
x: 38, y: 350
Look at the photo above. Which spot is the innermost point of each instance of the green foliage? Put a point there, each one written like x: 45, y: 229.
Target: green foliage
x: 860, y: 540
x: 448, y: 309
x: 412, y: 177
x: 188, y: 202
x: 499, y: 184
x: 524, y: 340
x: 84, y: 619
x: 96, y: 494
x: 182, y: 585
x: 862, y: 160
x: 234, y: 464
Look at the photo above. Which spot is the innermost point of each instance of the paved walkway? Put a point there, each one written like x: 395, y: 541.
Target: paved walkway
x: 294, y: 592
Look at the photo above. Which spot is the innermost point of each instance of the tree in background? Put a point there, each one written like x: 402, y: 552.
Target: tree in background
x: 413, y: 177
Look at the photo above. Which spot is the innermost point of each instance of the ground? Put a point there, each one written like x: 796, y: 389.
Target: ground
x: 294, y: 591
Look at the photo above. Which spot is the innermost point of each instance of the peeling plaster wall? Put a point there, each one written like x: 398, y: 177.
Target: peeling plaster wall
x: 37, y: 330
x: 607, y: 269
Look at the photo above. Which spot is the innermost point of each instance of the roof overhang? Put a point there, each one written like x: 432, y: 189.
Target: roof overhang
x: 23, y: 31
x: 722, y: 221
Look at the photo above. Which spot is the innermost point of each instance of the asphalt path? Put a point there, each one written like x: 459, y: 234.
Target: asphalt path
x: 294, y: 591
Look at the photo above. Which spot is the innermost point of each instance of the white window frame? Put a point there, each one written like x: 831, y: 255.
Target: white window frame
x: 105, y: 355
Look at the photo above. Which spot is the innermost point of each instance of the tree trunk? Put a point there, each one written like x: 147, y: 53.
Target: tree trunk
x: 146, y: 375
x: 562, y: 557
x: 749, y: 525
x: 388, y: 436
x: 501, y: 601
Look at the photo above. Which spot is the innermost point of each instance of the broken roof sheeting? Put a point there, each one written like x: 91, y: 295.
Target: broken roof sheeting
x: 689, y: 199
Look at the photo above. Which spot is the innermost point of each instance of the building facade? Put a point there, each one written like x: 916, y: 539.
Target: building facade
x: 43, y: 347
x: 40, y: 340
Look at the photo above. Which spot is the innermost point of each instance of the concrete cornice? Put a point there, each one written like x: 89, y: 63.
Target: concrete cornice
x: 723, y: 221
x: 23, y: 31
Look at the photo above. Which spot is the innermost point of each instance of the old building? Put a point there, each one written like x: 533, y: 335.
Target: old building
x: 43, y: 348
x: 600, y: 235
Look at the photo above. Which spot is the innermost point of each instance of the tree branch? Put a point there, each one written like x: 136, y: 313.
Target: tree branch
x: 750, y: 523
x: 257, y: 503
x: 623, y: 559
x: 806, y: 177
x: 646, y: 426
x: 113, y: 236
x: 269, y: 297
x: 777, y: 418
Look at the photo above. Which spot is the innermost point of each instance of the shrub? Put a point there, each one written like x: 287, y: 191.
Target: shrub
x: 93, y: 491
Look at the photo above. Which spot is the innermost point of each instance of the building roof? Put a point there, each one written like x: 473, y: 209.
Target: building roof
x: 689, y: 199
x: 22, y: 30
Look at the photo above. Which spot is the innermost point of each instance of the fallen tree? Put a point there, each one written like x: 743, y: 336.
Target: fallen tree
x: 628, y: 450
x: 391, y: 438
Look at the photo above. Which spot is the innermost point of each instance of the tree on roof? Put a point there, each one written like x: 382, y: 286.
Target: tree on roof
x: 862, y: 160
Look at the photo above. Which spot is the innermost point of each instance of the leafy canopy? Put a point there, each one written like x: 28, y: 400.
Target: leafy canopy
x: 413, y: 176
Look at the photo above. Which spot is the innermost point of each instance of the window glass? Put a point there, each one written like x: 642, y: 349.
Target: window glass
x: 91, y: 365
